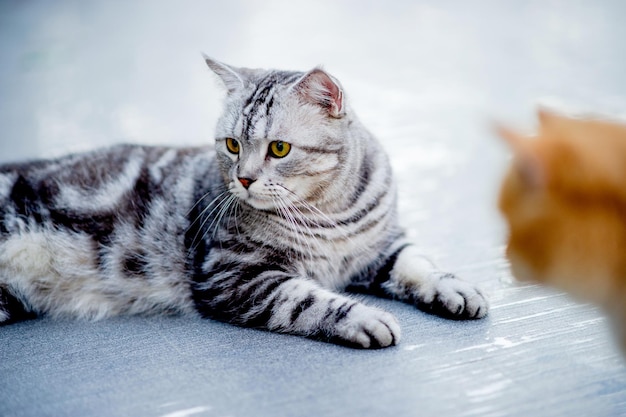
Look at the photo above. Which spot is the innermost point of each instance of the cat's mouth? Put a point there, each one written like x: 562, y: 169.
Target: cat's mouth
x: 256, y: 200
x: 260, y: 202
x: 265, y: 198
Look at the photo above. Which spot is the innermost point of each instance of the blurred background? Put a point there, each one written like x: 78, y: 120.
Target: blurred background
x: 77, y: 74
x: 428, y: 77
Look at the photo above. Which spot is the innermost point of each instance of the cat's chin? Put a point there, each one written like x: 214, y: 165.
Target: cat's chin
x: 260, y: 203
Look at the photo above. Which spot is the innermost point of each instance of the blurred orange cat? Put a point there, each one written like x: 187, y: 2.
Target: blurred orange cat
x: 564, y: 199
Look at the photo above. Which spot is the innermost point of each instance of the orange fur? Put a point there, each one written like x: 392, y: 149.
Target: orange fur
x: 564, y: 199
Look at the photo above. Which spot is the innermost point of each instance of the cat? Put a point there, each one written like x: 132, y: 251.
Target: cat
x: 564, y: 200
x: 293, y: 204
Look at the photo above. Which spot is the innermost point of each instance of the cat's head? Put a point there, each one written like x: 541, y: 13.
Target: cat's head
x: 564, y: 199
x: 279, y: 140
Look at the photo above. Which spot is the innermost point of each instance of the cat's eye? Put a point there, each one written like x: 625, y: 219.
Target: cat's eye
x: 232, y: 145
x: 279, y: 149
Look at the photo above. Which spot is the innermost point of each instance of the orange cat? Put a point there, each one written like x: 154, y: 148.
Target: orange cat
x: 564, y: 199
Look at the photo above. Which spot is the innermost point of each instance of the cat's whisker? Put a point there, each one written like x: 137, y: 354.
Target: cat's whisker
x: 210, y: 203
x: 313, y: 237
x: 285, y: 214
x: 204, y: 218
x: 237, y: 217
x: 308, y: 236
x: 232, y: 212
x: 225, y: 208
x: 358, y: 247
x: 322, y: 248
x: 314, y: 209
x: 201, y: 229
x: 204, y: 210
x: 205, y: 195
x: 217, y: 219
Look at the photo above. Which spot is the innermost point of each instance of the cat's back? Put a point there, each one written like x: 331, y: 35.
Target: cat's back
x: 98, y: 180
x: 82, y: 234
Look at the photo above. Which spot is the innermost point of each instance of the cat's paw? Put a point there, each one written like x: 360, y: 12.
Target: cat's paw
x: 447, y: 296
x: 367, y: 327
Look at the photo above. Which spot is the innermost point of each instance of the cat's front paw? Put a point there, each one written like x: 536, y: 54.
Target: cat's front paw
x: 367, y: 327
x: 447, y: 296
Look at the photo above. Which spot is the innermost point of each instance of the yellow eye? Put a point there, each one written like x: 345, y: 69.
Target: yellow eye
x: 232, y: 145
x: 279, y: 149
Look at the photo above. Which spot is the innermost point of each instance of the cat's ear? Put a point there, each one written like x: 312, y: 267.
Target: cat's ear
x: 549, y: 119
x: 232, y: 79
x: 546, y: 116
x: 513, y: 139
x: 320, y: 88
x: 527, y: 162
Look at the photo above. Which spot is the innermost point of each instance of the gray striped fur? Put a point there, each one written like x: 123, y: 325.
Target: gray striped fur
x: 135, y: 229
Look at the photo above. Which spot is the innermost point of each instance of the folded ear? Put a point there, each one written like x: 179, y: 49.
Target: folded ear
x: 230, y: 76
x: 320, y: 88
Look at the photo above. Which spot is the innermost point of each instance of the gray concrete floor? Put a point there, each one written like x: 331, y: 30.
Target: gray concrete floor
x: 427, y: 77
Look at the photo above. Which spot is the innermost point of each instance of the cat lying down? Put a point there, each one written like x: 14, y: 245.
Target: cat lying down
x: 294, y: 203
x: 564, y: 199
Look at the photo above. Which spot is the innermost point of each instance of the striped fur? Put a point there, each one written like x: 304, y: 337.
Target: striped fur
x: 245, y: 237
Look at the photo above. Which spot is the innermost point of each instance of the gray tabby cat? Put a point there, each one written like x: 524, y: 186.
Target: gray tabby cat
x: 294, y: 203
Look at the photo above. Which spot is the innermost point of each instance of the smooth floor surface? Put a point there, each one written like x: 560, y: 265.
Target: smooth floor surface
x: 429, y: 78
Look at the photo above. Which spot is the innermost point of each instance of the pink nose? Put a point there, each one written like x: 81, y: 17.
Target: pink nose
x: 246, y: 182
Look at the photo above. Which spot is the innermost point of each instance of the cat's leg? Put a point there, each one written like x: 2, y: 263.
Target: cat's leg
x: 275, y: 301
x: 11, y: 309
x: 409, y: 276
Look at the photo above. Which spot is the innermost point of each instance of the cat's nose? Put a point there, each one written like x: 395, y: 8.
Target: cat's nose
x: 246, y: 182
